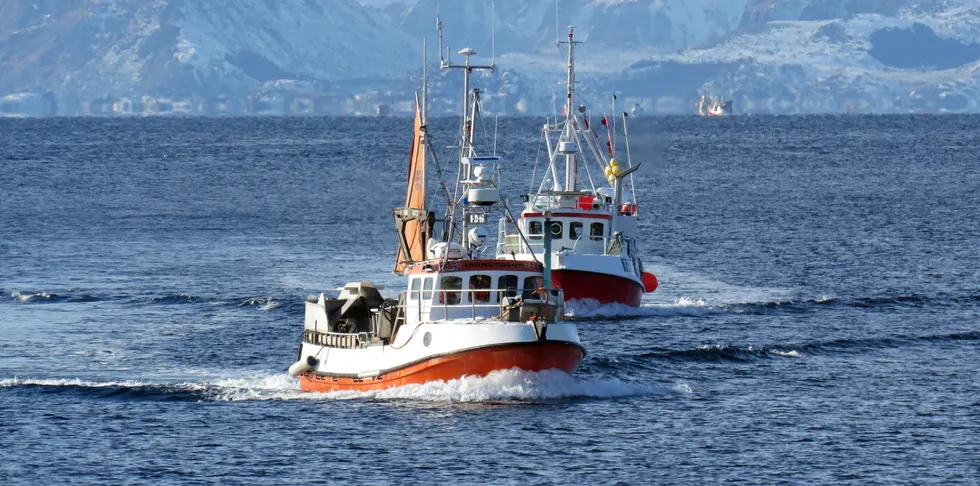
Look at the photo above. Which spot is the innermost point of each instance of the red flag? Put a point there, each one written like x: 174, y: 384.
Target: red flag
x: 603, y: 121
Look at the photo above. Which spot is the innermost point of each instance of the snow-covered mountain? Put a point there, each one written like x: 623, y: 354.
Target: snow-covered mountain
x: 353, y: 56
x: 804, y: 56
x: 528, y: 29
x: 184, y: 51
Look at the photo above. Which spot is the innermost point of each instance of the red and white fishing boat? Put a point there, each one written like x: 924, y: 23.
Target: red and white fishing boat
x: 595, y: 252
x: 461, y: 313
x: 714, y: 106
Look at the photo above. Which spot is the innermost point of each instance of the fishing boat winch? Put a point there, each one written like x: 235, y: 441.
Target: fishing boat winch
x: 359, y: 315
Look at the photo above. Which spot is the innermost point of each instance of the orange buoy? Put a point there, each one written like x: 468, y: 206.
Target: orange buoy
x: 650, y: 282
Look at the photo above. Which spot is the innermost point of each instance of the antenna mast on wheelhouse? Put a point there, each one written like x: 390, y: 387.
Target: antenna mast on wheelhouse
x: 470, y: 111
x: 571, y: 159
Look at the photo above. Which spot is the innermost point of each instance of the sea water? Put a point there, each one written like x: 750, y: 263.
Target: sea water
x: 817, y: 321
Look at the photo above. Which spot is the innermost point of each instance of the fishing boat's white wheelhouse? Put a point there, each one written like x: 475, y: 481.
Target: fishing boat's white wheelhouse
x: 594, y: 254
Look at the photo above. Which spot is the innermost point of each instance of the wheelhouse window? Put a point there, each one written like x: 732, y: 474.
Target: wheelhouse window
x: 413, y: 293
x: 508, y: 284
x: 530, y: 285
x: 596, y: 231
x: 535, y: 230
x: 575, y: 230
x: 451, y: 287
x: 479, y: 288
x: 427, y: 288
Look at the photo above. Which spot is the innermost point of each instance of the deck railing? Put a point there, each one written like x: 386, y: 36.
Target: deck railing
x: 436, y: 305
x: 463, y: 303
x: 337, y: 339
x: 583, y: 245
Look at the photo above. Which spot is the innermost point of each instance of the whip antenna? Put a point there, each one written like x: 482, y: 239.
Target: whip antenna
x: 493, y: 33
x: 557, y: 28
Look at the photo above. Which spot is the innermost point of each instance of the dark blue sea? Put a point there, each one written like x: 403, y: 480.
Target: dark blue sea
x: 817, y: 322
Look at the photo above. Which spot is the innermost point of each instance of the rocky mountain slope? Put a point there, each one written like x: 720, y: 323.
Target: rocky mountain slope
x: 181, y: 50
x: 347, y: 56
x: 800, y: 56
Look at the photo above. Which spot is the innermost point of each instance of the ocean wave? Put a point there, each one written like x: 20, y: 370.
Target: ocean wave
x: 178, y: 299
x: 125, y: 389
x: 517, y: 386
x: 45, y: 297
x: 592, y: 309
x: 851, y: 345
x: 500, y: 386
x: 907, y: 300
x: 738, y: 354
x: 34, y: 297
x: 272, y: 304
x: 812, y: 304
x: 263, y: 303
x: 956, y: 336
x: 715, y: 353
x: 690, y: 307
x: 966, y: 298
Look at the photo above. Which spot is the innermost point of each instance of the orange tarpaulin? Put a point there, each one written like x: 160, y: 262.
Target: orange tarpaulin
x: 414, y: 199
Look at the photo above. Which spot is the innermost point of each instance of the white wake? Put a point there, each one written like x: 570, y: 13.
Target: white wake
x: 499, y: 386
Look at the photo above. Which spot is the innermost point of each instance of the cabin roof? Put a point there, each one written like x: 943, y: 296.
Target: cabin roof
x: 488, y: 265
x: 585, y: 214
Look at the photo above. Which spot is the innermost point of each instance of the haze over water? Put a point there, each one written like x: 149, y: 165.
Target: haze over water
x: 817, y: 322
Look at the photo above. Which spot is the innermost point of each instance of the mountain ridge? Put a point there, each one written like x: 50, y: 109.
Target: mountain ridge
x: 228, y: 57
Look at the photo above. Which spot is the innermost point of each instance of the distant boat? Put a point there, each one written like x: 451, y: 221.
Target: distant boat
x: 714, y: 106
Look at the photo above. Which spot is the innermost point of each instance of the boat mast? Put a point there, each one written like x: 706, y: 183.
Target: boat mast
x: 423, y: 120
x: 466, y: 143
x: 413, y: 217
x: 568, y: 134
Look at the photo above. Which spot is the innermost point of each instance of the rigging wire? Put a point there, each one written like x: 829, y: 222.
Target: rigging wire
x: 442, y: 180
x: 483, y: 126
x: 534, y: 171
x: 629, y: 158
x: 587, y: 171
x: 496, y: 122
x: 519, y: 232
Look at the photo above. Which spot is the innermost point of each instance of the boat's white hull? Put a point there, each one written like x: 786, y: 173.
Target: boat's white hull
x: 442, y: 350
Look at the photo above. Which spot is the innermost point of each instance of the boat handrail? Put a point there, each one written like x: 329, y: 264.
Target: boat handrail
x: 590, y: 245
x: 337, y: 339
x: 557, y: 200
x: 448, y: 301
x: 601, y: 243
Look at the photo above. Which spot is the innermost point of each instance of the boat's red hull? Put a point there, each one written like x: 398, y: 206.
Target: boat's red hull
x: 605, y: 288
x: 537, y: 356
